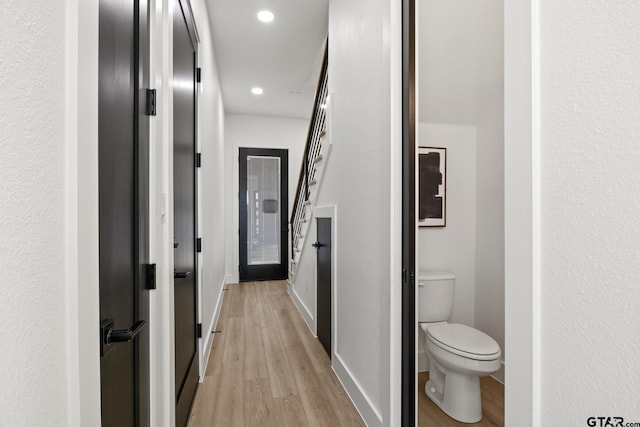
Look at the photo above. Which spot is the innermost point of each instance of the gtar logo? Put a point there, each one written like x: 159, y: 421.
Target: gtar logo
x: 605, y: 422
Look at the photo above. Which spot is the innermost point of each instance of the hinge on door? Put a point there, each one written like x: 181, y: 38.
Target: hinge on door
x: 198, y: 160
x: 150, y: 276
x: 199, y: 330
x: 408, y: 277
x: 151, y: 102
x: 199, y: 244
x: 198, y: 74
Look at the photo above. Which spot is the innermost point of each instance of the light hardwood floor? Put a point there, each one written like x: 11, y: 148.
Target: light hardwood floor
x: 266, y: 369
x: 492, y: 392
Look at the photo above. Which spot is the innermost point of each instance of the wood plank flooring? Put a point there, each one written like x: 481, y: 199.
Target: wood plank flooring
x: 266, y: 369
x: 492, y: 392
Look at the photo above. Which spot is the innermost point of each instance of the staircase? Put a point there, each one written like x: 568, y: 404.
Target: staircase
x: 313, y: 161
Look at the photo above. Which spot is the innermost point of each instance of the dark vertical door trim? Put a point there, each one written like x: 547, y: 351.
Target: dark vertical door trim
x: 141, y: 347
x: 128, y: 232
x: 265, y: 271
x: 408, y: 385
x: 124, y: 157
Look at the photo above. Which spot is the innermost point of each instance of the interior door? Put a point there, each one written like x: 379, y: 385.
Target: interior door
x: 184, y: 196
x: 409, y: 396
x: 263, y: 206
x: 123, y: 213
x: 323, y: 281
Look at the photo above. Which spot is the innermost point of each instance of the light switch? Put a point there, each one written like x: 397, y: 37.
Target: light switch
x: 163, y: 207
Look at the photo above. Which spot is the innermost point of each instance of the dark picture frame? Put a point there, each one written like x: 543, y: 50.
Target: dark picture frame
x: 432, y: 187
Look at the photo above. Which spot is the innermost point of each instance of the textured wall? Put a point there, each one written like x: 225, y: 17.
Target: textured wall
x: 590, y: 182
x: 33, y: 349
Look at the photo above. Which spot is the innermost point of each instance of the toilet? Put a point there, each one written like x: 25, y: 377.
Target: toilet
x: 458, y: 354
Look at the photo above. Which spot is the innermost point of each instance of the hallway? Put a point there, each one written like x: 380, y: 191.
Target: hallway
x: 266, y: 369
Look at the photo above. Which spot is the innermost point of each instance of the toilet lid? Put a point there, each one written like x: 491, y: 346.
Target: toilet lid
x: 464, y: 341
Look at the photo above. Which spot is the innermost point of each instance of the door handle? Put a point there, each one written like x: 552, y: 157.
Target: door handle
x: 318, y: 245
x: 181, y: 274
x: 111, y: 336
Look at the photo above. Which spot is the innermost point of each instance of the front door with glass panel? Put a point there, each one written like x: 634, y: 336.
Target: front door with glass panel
x: 263, y: 214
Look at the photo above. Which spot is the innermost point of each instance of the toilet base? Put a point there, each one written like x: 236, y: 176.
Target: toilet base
x: 459, y: 396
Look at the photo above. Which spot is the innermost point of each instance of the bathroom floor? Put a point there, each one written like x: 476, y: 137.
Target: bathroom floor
x: 492, y: 405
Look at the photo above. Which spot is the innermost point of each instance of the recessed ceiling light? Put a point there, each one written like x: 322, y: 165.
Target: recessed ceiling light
x: 265, y: 16
x: 256, y: 90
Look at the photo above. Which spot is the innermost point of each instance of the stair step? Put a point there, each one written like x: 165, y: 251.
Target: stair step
x: 318, y: 159
x: 313, y: 182
x: 307, y: 202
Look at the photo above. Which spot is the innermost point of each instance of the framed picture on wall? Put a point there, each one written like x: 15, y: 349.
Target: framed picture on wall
x: 432, y: 186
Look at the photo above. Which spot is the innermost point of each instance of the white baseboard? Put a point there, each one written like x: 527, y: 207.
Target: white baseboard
x: 209, y: 336
x: 302, y: 309
x: 367, y: 410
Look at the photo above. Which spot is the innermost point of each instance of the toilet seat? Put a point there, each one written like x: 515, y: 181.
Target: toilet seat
x: 464, y: 341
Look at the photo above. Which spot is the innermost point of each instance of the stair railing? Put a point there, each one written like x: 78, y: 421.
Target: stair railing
x: 311, y: 157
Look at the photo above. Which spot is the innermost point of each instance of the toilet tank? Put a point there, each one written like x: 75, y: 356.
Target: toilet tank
x: 435, y: 295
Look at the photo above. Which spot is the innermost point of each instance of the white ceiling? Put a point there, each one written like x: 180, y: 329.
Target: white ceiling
x: 283, y: 57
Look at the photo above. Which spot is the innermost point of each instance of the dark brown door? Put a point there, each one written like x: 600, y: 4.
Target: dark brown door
x: 122, y: 194
x: 323, y: 248
x: 184, y: 193
x: 263, y: 202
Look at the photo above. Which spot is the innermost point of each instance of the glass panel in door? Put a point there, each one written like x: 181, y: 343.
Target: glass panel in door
x: 263, y: 210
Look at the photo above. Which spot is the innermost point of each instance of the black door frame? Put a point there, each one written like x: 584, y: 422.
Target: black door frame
x: 408, y: 370
x: 269, y: 271
x: 187, y: 13
x: 142, y: 218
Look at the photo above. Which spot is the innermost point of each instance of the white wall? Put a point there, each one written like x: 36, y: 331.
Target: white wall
x: 453, y: 248
x: 461, y: 82
x: 210, y: 184
x: 257, y: 132
x: 489, y: 259
x: 36, y: 338
x: 489, y: 280
x: 589, y: 210
x: 357, y: 179
x: 571, y: 237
